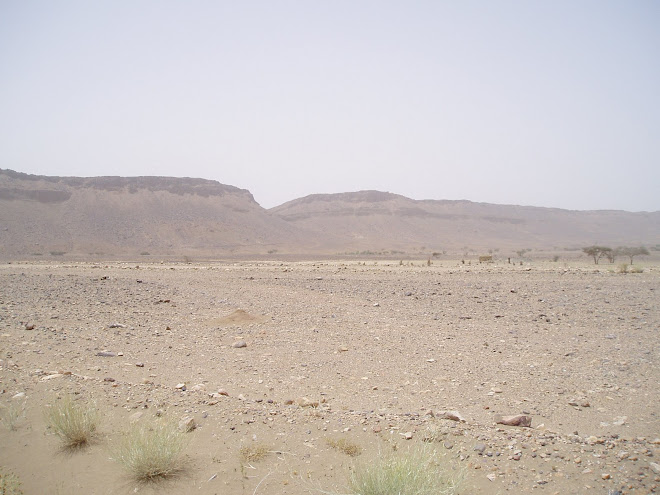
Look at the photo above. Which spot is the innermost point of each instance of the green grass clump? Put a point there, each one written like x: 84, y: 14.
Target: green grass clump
x: 415, y: 472
x: 152, y: 451
x: 9, y: 483
x: 74, y: 422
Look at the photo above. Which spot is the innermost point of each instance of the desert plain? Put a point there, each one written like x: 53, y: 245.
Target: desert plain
x: 293, y: 357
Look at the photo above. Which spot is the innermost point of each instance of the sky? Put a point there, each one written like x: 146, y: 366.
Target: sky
x: 541, y: 103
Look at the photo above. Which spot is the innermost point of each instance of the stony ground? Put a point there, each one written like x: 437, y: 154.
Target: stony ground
x: 312, y: 353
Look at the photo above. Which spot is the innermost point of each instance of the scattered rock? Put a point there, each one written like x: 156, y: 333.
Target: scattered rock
x: 655, y: 467
x: 305, y: 402
x: 407, y: 435
x: 480, y: 447
x: 620, y: 421
x: 239, y: 344
x: 116, y: 325
x: 50, y: 377
x: 19, y: 395
x: 106, y: 354
x: 451, y: 415
x: 109, y: 379
x: 222, y: 391
x: 135, y: 417
x: 181, y: 386
x: 518, y: 420
x: 187, y: 424
x: 29, y: 326
x: 139, y: 365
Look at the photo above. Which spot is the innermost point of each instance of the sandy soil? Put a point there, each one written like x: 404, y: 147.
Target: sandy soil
x: 382, y: 348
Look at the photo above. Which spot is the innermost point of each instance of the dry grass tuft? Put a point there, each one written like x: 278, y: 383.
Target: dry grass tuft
x: 152, y: 451
x: 342, y: 445
x: 416, y: 472
x: 253, y: 453
x: 75, y: 423
x: 434, y: 433
x: 11, y: 414
x: 9, y: 483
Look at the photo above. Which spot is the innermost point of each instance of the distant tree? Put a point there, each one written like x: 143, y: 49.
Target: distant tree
x: 596, y: 252
x: 631, y: 252
x: 611, y: 254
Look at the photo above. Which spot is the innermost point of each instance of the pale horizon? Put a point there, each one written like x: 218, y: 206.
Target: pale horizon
x: 532, y: 104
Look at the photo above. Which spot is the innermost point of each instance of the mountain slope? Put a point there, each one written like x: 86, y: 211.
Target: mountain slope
x: 128, y: 216
x: 377, y: 220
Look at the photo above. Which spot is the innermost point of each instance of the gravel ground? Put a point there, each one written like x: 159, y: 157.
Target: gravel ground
x: 293, y: 356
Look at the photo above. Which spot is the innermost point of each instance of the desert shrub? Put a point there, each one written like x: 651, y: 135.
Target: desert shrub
x: 636, y: 269
x: 145, y: 253
x: 74, y: 422
x: 345, y: 446
x: 9, y: 483
x: 151, y: 451
x: 57, y: 253
x: 416, y: 472
x: 623, y: 268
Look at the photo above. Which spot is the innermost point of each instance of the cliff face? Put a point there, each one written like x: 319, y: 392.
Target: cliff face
x: 121, y: 216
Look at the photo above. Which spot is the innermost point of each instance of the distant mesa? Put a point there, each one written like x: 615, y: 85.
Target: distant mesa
x: 188, y: 219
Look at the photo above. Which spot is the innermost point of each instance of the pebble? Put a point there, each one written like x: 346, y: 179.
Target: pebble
x: 187, y: 424
x: 50, y: 377
x: 451, y: 415
x: 518, y: 420
x: 135, y: 417
x: 305, y: 402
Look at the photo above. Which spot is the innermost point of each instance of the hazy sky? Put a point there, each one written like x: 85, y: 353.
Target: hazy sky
x: 546, y: 103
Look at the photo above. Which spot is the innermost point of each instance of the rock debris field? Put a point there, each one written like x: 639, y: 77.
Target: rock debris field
x: 294, y: 358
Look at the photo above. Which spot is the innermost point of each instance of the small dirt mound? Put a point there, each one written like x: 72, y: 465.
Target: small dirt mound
x: 238, y: 317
